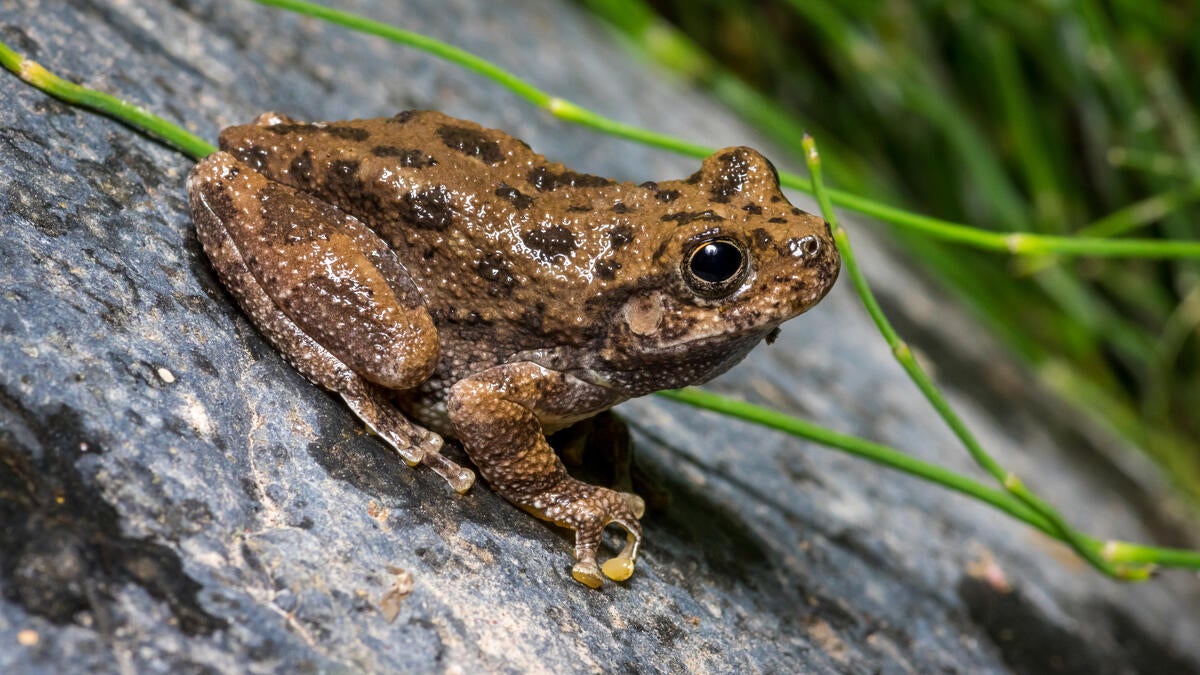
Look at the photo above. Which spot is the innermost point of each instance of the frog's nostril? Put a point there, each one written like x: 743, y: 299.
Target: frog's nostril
x: 805, y: 247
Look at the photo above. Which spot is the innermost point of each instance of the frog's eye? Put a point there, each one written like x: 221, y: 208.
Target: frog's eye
x: 715, y: 268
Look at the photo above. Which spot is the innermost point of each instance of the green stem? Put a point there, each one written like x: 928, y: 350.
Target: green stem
x: 105, y: 104
x: 1142, y: 213
x: 1113, y: 551
x: 904, y: 356
x: 859, y: 447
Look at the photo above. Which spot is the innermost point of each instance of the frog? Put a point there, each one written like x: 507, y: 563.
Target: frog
x: 448, y: 282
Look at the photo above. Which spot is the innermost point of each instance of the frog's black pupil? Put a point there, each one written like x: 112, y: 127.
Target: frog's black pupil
x: 716, y: 261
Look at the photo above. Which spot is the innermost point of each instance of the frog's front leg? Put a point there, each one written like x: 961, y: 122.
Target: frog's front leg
x: 326, y: 292
x: 500, y: 415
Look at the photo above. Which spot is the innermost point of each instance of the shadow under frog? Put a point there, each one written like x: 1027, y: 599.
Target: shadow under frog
x: 448, y: 282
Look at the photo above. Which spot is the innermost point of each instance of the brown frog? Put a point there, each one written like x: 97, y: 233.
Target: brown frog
x: 437, y: 273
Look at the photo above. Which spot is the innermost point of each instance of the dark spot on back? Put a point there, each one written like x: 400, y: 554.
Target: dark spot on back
x: 519, y: 199
x: 343, y: 187
x: 430, y: 209
x: 619, y: 236
x: 685, y: 217
x: 777, y: 220
x: 694, y: 178
x: 301, y: 168
x: 496, y: 271
x: 462, y: 317
x: 735, y: 169
x: 543, y: 179
x: 347, y: 133
x: 796, y: 211
x: 607, y: 269
x: 337, y: 131
x: 402, y: 117
x: 471, y: 142
x: 754, y: 209
x: 576, y: 179
x: 775, y: 199
x: 649, y: 185
x: 666, y: 195
x: 289, y: 128
x: 620, y: 207
x: 551, y: 241
x: 343, y: 177
x: 409, y: 158
x: 580, y: 208
x: 254, y: 155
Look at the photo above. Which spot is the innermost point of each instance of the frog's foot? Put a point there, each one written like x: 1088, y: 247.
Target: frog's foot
x: 413, y: 443
x: 588, y: 509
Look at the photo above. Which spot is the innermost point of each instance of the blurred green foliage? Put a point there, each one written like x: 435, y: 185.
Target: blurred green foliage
x: 1053, y: 117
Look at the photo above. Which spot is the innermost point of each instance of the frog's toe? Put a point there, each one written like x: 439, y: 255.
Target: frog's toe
x: 588, y: 573
x: 620, y: 566
x: 635, y: 504
x: 622, y: 509
x: 460, y: 478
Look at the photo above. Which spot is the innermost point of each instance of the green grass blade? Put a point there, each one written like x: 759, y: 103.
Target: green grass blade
x: 105, y: 104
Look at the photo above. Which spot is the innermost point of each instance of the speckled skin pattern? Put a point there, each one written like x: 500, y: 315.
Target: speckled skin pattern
x: 446, y: 280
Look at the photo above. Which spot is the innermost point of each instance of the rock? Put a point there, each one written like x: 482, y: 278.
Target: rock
x: 174, y: 497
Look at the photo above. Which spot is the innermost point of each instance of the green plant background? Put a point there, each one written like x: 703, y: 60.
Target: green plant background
x: 1057, y: 118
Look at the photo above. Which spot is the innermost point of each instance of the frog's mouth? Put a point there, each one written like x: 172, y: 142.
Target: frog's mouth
x: 658, y: 322
x: 682, y: 364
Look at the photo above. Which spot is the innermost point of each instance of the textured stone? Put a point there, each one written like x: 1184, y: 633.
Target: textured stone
x: 174, y: 497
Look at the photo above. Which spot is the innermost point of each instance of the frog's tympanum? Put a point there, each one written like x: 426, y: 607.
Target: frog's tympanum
x: 448, y: 281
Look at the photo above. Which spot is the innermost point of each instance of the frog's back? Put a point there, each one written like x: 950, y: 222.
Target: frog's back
x: 516, y: 257
x: 497, y: 238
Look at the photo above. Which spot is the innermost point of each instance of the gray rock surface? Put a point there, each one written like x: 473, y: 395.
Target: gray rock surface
x: 174, y: 498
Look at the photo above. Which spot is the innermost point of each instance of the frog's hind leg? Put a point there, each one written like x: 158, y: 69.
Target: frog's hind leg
x: 602, y: 448
x: 499, y: 415
x: 327, y: 293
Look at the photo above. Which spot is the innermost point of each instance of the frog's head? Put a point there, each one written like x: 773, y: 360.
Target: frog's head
x: 738, y: 260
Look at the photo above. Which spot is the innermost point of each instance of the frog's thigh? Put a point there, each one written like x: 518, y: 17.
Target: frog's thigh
x: 222, y: 203
x: 330, y: 275
x: 498, y: 415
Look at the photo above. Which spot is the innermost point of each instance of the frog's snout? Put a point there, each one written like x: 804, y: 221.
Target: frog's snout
x: 817, y: 264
